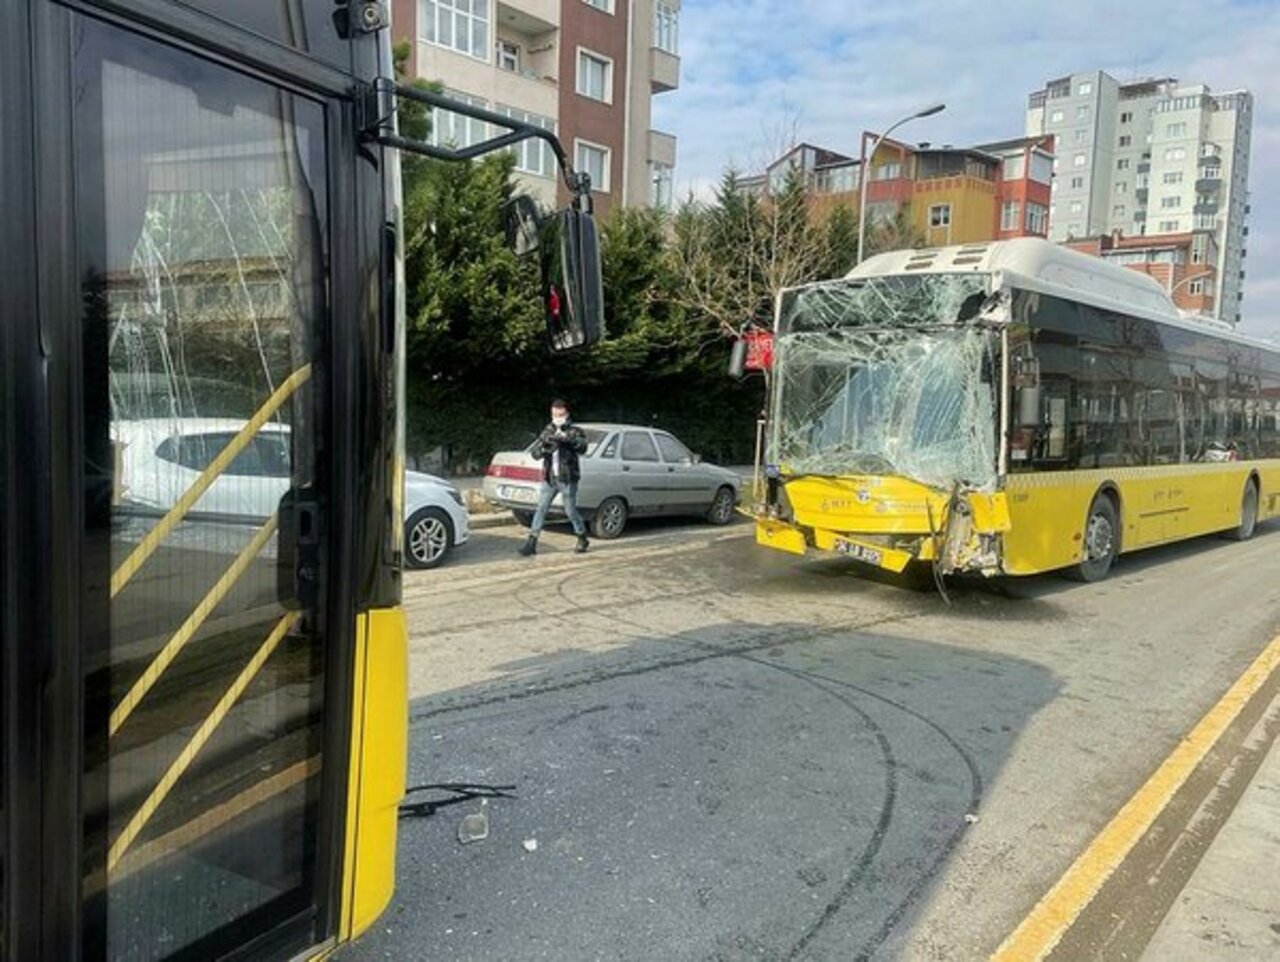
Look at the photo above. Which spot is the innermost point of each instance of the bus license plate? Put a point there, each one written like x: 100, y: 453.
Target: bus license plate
x: 858, y: 552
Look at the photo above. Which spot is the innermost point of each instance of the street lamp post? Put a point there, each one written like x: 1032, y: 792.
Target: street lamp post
x: 866, y: 168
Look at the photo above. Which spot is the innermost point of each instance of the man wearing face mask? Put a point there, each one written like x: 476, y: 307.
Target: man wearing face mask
x: 560, y: 444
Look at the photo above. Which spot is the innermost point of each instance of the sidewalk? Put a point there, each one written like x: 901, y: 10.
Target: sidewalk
x: 1230, y: 908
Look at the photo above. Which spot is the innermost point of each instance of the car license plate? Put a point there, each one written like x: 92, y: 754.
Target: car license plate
x: 858, y: 552
x: 522, y: 495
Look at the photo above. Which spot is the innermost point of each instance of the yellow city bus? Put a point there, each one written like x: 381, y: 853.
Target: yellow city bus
x: 203, y: 700
x: 1011, y: 408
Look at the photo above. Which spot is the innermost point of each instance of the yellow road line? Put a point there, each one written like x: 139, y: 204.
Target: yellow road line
x: 189, y: 627
x: 180, y: 764
x: 147, y: 546
x: 1044, y: 928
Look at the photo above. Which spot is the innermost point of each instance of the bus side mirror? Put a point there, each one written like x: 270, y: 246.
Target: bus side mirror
x: 738, y: 359
x: 1029, y: 412
x: 572, y: 290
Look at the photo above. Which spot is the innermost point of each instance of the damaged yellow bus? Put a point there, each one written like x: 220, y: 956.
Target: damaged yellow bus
x: 1008, y: 409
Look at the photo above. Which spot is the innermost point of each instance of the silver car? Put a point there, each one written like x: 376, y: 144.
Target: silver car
x: 628, y: 471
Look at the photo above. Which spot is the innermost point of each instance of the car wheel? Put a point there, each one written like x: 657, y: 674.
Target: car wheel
x: 1248, y: 513
x: 428, y: 536
x: 721, y: 510
x: 524, y: 518
x: 610, y: 519
x: 1101, y: 541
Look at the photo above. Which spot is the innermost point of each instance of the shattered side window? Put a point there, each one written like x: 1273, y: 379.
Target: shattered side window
x: 884, y: 376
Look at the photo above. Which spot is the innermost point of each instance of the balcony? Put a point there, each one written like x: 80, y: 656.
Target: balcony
x: 530, y: 17
x: 1205, y: 208
x: 662, y: 148
x: 1140, y: 195
x: 1205, y: 185
x: 664, y: 70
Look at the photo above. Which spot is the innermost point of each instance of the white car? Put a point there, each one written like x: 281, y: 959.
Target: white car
x: 161, y: 458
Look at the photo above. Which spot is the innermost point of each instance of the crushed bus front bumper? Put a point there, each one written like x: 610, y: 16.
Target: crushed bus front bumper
x: 890, y: 522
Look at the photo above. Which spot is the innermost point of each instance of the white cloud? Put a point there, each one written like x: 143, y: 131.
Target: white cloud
x: 751, y: 69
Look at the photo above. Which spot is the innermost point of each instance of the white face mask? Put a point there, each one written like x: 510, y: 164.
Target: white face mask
x: 560, y: 420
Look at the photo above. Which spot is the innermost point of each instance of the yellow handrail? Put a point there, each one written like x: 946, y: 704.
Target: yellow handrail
x: 147, y: 546
x: 180, y: 764
x: 189, y: 627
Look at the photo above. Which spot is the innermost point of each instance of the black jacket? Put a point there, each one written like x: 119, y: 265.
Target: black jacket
x: 571, y: 441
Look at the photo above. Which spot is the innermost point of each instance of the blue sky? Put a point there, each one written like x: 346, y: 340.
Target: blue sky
x: 757, y: 74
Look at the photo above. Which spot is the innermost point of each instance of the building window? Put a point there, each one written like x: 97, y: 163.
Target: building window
x: 1015, y: 167
x: 1077, y: 183
x: 1077, y: 207
x: 533, y: 156
x: 1175, y: 130
x: 1126, y: 117
x: 1171, y: 203
x: 940, y: 215
x: 1037, y: 219
x: 449, y: 129
x: 666, y: 27
x: 661, y: 184
x: 1082, y: 136
x: 1121, y: 187
x: 1125, y: 140
x: 592, y: 159
x: 1085, y: 88
x: 1173, y: 177
x: 1195, y: 288
x: 1168, y: 227
x: 890, y: 171
x: 1078, y: 160
x: 1176, y: 153
x: 1122, y: 163
x: 461, y: 25
x: 1010, y: 215
x: 1057, y: 117
x: 595, y: 76
x: 605, y: 5
x: 1117, y: 210
x: 1082, y: 112
x: 508, y: 56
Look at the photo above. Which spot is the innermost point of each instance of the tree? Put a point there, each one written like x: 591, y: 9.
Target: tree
x: 736, y: 254
x: 894, y: 234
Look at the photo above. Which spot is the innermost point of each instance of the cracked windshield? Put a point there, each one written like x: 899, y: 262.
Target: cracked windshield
x: 886, y: 377
x: 640, y: 480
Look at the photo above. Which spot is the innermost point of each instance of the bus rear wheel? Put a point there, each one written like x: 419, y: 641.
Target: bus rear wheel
x: 1248, y: 513
x: 1101, y: 541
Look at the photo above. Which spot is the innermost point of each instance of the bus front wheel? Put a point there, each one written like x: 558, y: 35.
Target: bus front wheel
x: 1101, y: 541
x: 1248, y: 513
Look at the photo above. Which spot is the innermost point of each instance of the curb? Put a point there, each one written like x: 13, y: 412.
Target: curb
x: 496, y: 520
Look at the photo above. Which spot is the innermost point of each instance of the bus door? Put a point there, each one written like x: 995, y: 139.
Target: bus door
x: 201, y: 213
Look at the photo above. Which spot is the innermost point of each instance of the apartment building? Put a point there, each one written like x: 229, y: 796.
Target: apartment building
x: 1185, y: 264
x: 951, y: 195
x: 584, y: 69
x: 1150, y: 158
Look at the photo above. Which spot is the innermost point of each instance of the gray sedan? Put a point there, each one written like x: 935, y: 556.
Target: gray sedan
x: 628, y: 471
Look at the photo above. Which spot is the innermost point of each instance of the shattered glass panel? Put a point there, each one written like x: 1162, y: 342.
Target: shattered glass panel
x: 885, y: 376
x: 911, y: 300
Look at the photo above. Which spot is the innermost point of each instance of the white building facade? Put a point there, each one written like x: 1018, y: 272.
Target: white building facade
x: 1152, y: 157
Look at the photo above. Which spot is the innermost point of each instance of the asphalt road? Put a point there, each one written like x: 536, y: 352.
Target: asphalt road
x: 727, y: 753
